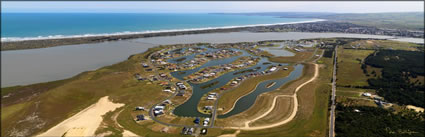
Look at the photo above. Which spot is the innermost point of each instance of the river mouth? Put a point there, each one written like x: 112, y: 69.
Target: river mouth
x: 189, y: 108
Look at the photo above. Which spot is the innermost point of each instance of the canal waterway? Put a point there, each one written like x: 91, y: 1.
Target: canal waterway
x: 278, y: 51
x: 189, y: 108
x: 247, y: 101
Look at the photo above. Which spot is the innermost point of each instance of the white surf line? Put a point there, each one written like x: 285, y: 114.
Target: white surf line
x: 293, y: 114
x: 12, y: 39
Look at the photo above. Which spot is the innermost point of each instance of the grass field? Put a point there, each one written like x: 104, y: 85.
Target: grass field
x: 355, y: 101
x: 407, y: 20
x: 228, y: 98
x: 64, y: 98
x: 298, y: 57
x: 12, y: 110
x: 312, y: 116
x: 353, y: 92
x: 349, y: 67
x: 262, y: 104
x: 383, y: 44
x: 282, y: 111
x: 108, y: 126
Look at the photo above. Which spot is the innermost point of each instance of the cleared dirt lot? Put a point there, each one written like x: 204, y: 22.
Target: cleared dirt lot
x: 282, y: 110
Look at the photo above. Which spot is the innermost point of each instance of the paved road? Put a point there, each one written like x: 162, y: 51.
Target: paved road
x: 214, y: 113
x: 332, y: 115
x: 151, y: 114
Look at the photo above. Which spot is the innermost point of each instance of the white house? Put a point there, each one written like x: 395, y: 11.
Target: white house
x: 367, y: 94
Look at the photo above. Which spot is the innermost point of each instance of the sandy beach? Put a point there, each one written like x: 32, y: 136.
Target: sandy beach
x: 51, y: 41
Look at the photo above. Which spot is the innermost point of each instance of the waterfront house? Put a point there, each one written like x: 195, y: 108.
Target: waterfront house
x: 167, y: 101
x: 180, y: 93
x: 140, y: 117
x: 208, y: 107
x: 158, y: 112
x: 211, y: 97
x: 140, y: 108
x: 167, y: 90
x: 367, y: 94
x: 145, y: 65
x: 165, y: 129
x: 159, y: 107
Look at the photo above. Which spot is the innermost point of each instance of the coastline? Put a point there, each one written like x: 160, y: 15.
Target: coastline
x: 52, y: 41
x: 16, y: 39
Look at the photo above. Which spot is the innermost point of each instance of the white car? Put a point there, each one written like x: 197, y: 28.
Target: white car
x: 206, y: 121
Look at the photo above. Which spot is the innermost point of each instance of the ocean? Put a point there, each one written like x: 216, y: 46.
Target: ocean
x: 26, y: 26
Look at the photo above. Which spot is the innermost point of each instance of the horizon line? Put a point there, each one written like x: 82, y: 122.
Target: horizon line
x: 208, y: 12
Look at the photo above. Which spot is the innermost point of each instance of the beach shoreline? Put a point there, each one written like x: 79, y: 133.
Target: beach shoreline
x: 52, y: 41
x: 16, y: 39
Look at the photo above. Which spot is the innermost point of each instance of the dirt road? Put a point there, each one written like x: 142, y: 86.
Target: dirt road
x: 293, y: 113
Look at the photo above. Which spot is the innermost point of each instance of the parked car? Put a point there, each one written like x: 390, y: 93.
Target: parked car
x: 206, y: 121
x: 197, y: 120
x: 203, y: 131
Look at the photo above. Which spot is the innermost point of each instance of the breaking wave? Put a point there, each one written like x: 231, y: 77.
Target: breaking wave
x: 11, y: 39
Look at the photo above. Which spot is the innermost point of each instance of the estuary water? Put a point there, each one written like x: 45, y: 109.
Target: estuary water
x: 22, y: 67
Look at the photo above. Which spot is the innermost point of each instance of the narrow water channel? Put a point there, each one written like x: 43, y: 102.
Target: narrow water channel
x: 247, y: 101
x: 189, y: 108
x: 278, y: 51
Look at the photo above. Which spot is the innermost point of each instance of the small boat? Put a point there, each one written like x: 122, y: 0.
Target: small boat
x: 270, y: 84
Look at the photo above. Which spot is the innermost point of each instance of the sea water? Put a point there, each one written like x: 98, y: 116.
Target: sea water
x: 25, y: 26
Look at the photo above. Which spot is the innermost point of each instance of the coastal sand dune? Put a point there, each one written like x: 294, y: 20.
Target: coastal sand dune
x: 85, y: 122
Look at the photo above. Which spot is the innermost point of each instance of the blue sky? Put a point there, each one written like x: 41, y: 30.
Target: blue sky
x: 208, y: 6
